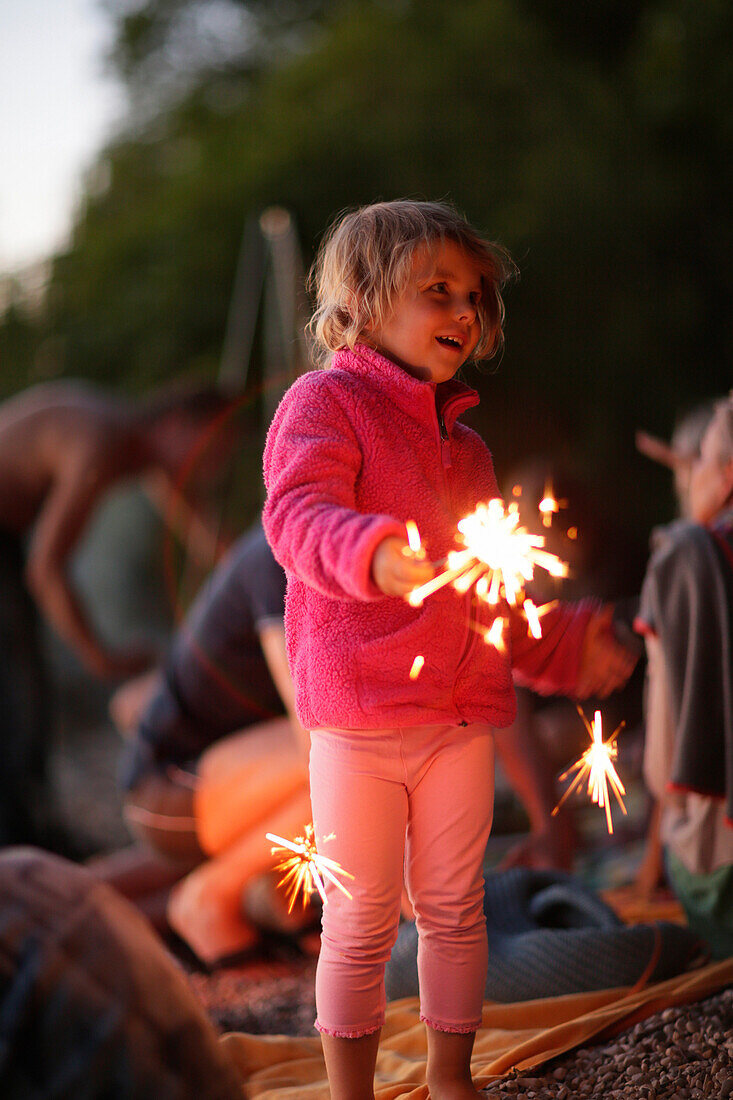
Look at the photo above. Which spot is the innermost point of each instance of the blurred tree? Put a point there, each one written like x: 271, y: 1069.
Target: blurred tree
x: 595, y: 144
x: 163, y: 48
x: 18, y: 346
x: 602, y: 30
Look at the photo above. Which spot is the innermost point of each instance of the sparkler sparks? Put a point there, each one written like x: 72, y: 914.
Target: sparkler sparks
x: 305, y: 869
x: 597, y: 764
x: 495, y: 635
x: 417, y: 666
x: 500, y: 556
x: 548, y: 505
x: 533, y: 618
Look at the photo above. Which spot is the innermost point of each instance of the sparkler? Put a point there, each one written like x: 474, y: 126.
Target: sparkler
x: 597, y: 764
x: 305, y: 869
x: 500, y: 556
x: 413, y: 540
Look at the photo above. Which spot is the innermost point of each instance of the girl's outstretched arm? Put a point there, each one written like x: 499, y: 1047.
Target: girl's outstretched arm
x: 312, y: 462
x: 577, y: 655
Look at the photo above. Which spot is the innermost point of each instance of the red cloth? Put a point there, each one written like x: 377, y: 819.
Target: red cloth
x: 352, y: 453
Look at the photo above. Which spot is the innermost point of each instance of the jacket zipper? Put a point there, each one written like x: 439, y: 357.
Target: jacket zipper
x: 444, y: 441
x: 443, y: 449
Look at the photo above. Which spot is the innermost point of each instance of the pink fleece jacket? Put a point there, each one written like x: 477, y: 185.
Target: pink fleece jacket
x: 352, y: 453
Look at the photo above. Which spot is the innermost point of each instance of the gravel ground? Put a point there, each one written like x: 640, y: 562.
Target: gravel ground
x: 261, y: 998
x: 679, y: 1054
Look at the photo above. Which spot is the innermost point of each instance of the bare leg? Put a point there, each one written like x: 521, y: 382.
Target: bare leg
x: 449, y: 1065
x: 528, y: 767
x: 350, y: 1066
x: 650, y: 874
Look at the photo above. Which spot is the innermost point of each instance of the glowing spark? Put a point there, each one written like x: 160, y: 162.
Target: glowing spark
x: 572, y: 532
x: 305, y: 869
x: 413, y: 537
x: 597, y: 764
x: 417, y: 666
x: 500, y: 556
x: 548, y: 505
x: 495, y: 636
x: 533, y: 618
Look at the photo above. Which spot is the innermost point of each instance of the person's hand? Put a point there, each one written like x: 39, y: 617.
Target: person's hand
x: 397, y: 569
x: 657, y: 450
x: 605, y: 664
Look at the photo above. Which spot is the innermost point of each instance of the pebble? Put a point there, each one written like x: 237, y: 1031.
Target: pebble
x: 682, y: 1053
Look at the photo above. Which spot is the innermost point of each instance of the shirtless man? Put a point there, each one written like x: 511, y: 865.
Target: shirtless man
x: 63, y: 447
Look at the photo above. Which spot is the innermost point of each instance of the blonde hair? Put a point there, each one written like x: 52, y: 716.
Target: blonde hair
x: 365, y: 261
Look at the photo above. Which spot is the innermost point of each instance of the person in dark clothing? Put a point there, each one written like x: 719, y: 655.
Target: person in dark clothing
x: 226, y: 671
x: 223, y: 693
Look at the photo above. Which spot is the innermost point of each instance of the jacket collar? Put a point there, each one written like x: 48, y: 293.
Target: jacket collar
x: 412, y: 394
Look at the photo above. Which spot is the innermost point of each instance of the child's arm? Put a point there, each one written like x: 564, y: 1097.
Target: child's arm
x: 605, y: 662
x: 577, y: 654
x: 312, y: 462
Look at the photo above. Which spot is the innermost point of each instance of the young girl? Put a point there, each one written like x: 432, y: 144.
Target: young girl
x: 402, y: 768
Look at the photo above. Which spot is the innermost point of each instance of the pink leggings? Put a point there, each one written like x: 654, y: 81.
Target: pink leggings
x: 416, y: 801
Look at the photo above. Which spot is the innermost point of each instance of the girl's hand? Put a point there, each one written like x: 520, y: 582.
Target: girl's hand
x: 396, y: 569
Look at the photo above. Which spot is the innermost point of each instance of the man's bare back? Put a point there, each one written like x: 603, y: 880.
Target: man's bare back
x: 63, y: 445
x: 60, y: 432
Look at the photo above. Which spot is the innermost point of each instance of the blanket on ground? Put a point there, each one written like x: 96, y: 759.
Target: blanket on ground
x: 522, y: 1035
x: 549, y: 934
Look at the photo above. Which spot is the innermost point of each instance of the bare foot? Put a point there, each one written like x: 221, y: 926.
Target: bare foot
x: 455, y: 1090
x: 449, y: 1065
